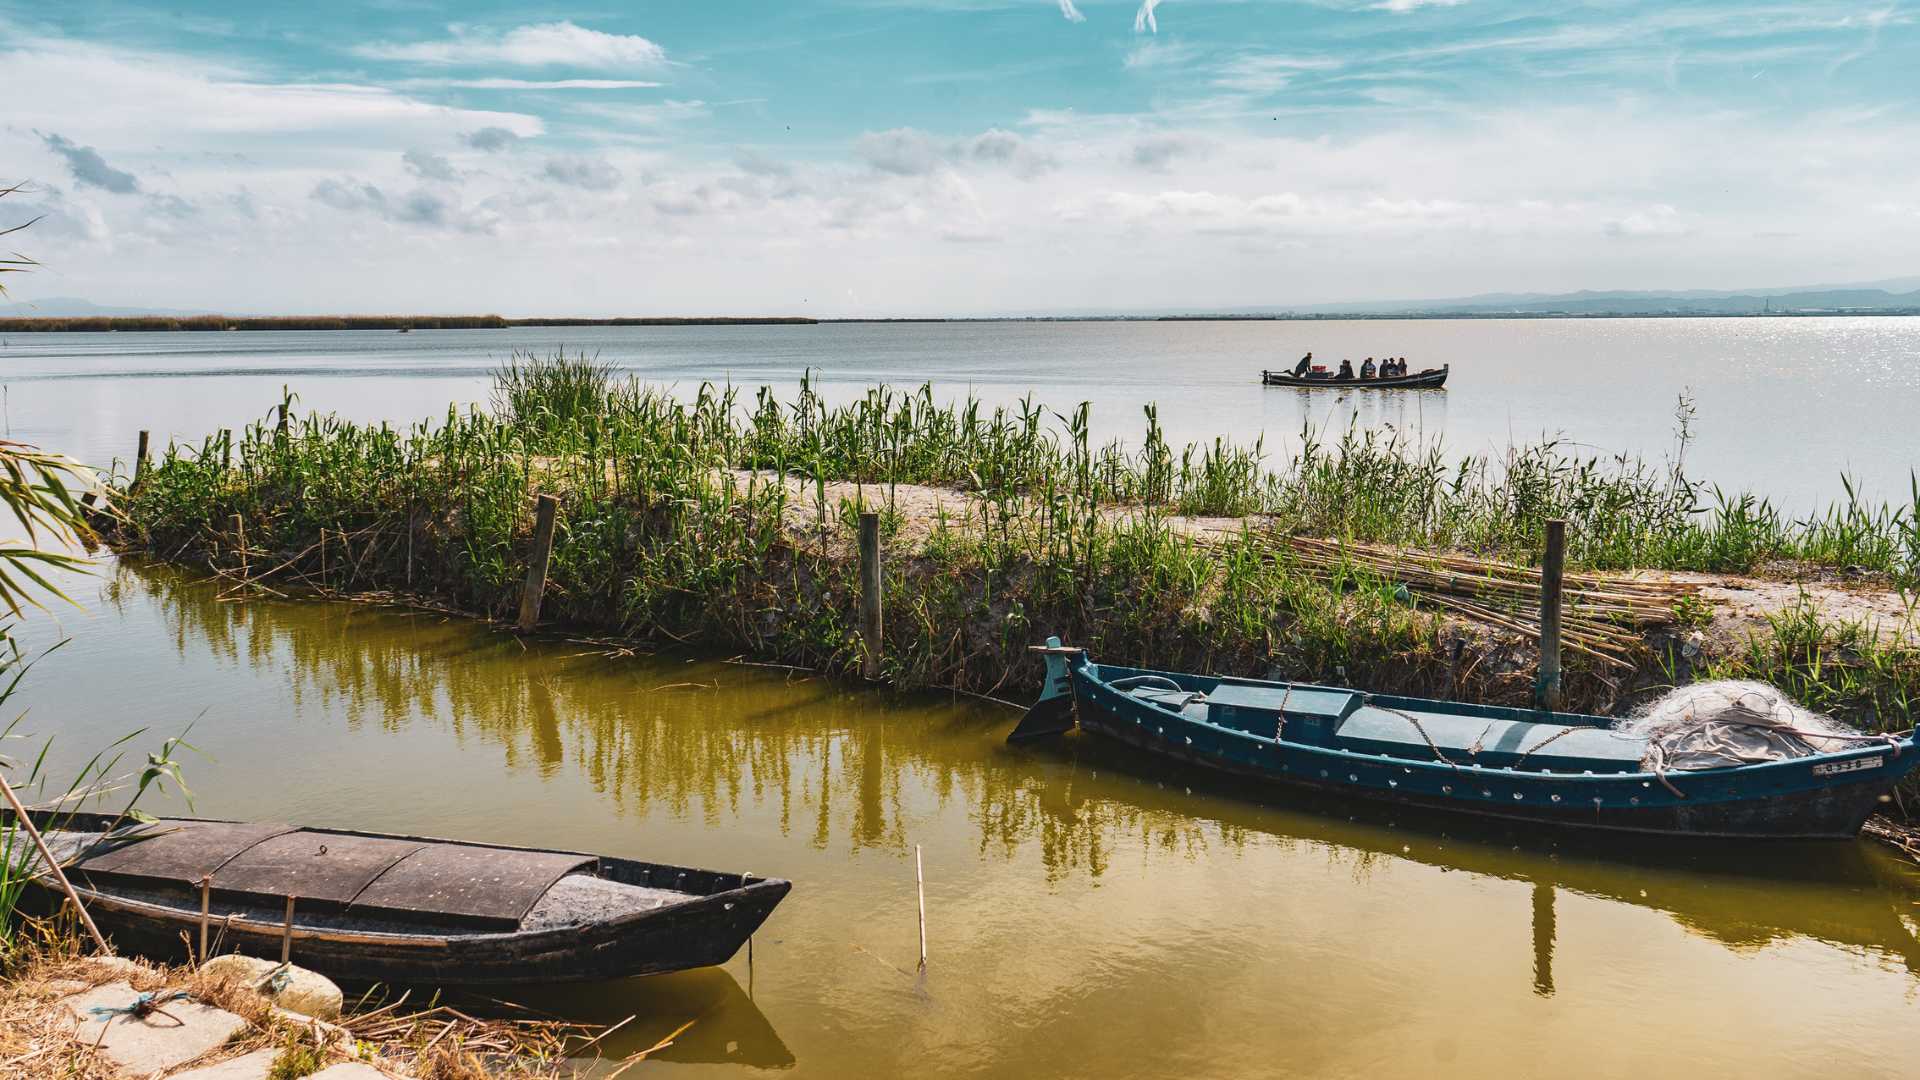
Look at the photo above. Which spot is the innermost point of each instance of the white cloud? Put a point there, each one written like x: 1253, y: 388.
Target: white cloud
x: 1404, y: 6
x: 1143, y: 20
x: 1071, y: 12
x: 593, y: 174
x: 131, y: 97
x: 524, y: 84
x: 539, y: 45
x: 429, y: 166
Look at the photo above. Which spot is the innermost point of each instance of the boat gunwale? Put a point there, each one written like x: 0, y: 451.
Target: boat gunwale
x: 1762, y: 770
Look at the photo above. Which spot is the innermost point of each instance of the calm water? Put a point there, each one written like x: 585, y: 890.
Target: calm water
x: 1785, y: 406
x: 1091, y: 913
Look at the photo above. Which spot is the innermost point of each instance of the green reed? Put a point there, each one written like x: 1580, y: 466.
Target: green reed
x: 681, y: 521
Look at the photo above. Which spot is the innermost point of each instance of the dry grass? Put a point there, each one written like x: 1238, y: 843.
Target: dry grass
x: 433, y: 1042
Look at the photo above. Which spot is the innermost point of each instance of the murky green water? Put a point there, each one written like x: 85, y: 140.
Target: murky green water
x: 1090, y: 912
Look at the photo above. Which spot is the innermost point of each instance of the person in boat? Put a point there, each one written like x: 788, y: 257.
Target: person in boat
x: 1346, y: 370
x: 1390, y: 369
x: 1367, y: 369
x: 1305, y: 365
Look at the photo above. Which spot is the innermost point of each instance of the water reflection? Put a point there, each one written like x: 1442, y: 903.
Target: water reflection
x: 841, y: 768
x: 1092, y: 911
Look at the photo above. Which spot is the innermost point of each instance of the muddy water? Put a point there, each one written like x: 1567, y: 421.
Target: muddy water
x: 1090, y: 912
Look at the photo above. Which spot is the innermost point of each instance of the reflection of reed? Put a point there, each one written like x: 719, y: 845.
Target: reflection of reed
x: 653, y: 735
x: 840, y: 768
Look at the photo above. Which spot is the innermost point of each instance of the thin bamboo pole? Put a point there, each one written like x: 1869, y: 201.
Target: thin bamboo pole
x: 53, y: 866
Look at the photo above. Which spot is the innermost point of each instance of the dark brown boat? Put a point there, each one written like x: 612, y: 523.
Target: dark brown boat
x: 401, y: 909
x: 1430, y: 379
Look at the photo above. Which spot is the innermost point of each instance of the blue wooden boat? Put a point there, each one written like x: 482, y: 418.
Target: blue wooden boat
x: 1557, y: 768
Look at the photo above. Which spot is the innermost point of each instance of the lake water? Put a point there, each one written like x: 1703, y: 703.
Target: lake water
x: 1784, y: 406
x: 1091, y: 913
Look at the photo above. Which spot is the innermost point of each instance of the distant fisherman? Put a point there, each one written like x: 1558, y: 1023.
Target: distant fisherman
x: 1367, y: 369
x: 1346, y: 370
x: 1305, y: 365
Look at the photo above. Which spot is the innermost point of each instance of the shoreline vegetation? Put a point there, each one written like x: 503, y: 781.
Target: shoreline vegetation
x: 69, y: 324
x: 729, y: 526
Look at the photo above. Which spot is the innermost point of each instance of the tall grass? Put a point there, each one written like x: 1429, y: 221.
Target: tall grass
x: 682, y: 521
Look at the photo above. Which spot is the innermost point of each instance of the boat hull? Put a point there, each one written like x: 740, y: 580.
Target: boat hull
x: 1789, y: 802
x: 641, y: 919
x: 700, y: 934
x: 1422, y: 380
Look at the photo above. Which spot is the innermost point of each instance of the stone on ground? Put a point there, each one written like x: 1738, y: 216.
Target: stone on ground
x: 157, y: 1042
x: 252, y: 1066
x: 303, y: 992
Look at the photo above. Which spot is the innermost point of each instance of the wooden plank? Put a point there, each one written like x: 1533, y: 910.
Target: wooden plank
x: 536, y: 587
x: 484, y: 884
x: 181, y: 851
x: 313, y: 866
x: 870, y: 593
x: 1546, y: 686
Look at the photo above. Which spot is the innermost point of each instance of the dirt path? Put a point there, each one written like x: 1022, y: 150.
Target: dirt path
x: 1741, y: 606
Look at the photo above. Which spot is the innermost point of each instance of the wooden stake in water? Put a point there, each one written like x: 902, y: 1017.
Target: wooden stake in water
x: 286, y: 935
x: 140, y: 458
x: 870, y: 592
x: 1546, y: 687
x: 543, y: 512
x: 53, y: 866
x: 920, y: 882
x: 206, y: 908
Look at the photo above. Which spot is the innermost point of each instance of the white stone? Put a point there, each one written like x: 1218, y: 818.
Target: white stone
x: 252, y: 1066
x: 182, y: 1032
x: 304, y: 992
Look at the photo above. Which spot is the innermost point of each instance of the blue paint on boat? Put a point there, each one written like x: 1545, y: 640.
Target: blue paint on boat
x: 1559, y: 768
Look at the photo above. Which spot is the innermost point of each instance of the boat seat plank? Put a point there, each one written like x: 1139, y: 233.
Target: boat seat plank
x: 313, y: 865
x: 181, y: 852
x: 490, y: 886
x: 1500, y: 742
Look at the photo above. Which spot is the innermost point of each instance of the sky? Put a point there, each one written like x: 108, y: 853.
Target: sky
x: 948, y: 157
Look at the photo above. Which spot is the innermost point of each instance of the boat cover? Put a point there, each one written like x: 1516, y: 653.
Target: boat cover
x: 482, y: 888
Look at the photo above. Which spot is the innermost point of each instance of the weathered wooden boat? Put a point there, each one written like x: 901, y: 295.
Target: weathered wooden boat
x: 1430, y: 379
x: 1558, y: 768
x: 369, y: 907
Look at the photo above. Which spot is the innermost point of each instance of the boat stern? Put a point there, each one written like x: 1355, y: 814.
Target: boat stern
x: 1053, y: 713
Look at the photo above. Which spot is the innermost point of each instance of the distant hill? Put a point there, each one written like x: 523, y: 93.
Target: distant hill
x: 67, y: 307
x: 1876, y: 297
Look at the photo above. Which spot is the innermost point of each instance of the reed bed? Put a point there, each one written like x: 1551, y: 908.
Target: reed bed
x: 677, y: 525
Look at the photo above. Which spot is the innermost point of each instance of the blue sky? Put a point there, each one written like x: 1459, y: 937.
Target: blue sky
x: 957, y: 156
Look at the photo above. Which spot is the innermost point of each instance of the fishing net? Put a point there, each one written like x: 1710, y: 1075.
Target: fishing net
x: 1714, y: 725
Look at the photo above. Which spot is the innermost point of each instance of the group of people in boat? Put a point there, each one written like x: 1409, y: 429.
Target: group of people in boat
x: 1391, y: 367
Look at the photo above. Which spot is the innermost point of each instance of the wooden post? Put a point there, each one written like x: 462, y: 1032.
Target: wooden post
x: 286, y: 935
x: 226, y: 449
x: 1546, y: 687
x: 920, y: 882
x: 206, y: 908
x: 140, y: 460
x: 543, y: 512
x: 870, y: 592
x: 53, y: 865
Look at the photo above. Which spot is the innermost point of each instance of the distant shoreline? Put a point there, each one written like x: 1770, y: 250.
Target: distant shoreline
x: 404, y: 323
